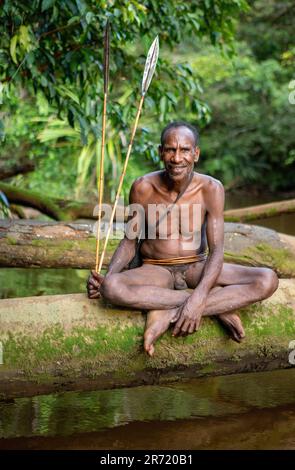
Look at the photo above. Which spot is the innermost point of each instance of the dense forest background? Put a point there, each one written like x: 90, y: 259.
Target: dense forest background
x: 225, y: 66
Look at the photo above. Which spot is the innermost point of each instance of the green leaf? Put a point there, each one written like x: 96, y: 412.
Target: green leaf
x: 24, y: 37
x: 89, y: 16
x: 81, y: 6
x: 63, y: 91
x: 13, y: 44
x: 74, y: 19
x: 44, y: 81
x: 46, y: 4
x: 2, y: 130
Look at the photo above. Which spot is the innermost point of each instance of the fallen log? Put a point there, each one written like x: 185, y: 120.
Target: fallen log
x: 32, y: 243
x: 7, y: 170
x: 245, y: 214
x: 65, y: 210
x: 68, y: 342
x: 61, y: 245
x: 55, y: 208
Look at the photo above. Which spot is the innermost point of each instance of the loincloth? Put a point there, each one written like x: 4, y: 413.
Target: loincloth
x: 177, y: 267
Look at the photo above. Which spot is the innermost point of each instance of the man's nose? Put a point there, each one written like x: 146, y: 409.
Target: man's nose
x: 177, y: 156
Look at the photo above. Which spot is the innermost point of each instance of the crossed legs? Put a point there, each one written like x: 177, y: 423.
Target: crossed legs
x: 151, y: 288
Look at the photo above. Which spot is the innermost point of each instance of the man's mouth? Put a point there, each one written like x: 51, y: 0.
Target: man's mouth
x: 176, y: 169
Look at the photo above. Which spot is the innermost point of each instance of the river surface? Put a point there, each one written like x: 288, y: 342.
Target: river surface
x: 245, y: 411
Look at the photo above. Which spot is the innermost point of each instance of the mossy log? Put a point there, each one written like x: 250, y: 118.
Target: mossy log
x: 55, y: 208
x: 64, y: 210
x: 68, y: 342
x: 9, y: 169
x: 61, y: 245
x: 49, y: 244
x: 245, y: 214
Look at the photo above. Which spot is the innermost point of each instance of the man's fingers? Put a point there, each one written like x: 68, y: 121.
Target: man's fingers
x: 185, y: 328
x: 192, y: 327
x: 97, y: 276
x: 92, y: 290
x: 198, y: 323
x: 94, y: 282
x: 178, y: 326
x: 94, y: 295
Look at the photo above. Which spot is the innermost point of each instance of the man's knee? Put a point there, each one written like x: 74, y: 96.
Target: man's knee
x: 112, y: 288
x: 266, y: 283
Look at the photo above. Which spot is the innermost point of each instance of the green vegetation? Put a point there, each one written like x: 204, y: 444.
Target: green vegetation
x: 213, y: 71
x: 280, y: 259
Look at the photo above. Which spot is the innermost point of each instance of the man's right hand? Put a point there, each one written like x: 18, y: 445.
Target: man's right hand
x: 94, y: 283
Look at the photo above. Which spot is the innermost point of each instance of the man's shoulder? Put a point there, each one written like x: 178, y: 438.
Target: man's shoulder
x: 209, y: 183
x: 147, y: 180
x: 213, y: 194
x: 144, y: 185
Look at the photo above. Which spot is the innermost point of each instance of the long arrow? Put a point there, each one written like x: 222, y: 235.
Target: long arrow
x: 149, y: 69
x: 100, y: 180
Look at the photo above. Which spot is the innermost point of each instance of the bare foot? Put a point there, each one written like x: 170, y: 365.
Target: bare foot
x: 233, y: 324
x: 157, y: 322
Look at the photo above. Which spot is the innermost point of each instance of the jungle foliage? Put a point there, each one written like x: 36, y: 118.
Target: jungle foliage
x: 235, y: 88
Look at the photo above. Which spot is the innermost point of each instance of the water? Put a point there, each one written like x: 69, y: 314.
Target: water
x: 283, y: 223
x: 246, y: 411
x: 24, y: 282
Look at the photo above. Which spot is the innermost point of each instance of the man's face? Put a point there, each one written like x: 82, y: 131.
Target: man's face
x: 179, y: 152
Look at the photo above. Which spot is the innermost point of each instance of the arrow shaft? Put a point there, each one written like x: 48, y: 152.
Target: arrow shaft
x: 121, y: 182
x: 101, y: 179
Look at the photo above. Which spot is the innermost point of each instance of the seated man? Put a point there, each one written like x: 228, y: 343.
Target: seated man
x: 173, y: 263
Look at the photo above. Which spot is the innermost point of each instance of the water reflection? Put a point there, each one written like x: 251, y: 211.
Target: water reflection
x: 214, y: 407
x: 23, y: 282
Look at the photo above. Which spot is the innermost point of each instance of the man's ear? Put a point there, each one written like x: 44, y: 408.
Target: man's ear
x: 197, y: 154
x: 160, y: 150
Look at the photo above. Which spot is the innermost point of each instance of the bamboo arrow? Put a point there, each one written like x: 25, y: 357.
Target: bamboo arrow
x: 100, y: 180
x: 149, y: 69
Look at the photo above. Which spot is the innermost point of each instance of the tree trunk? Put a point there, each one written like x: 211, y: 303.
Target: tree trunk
x: 13, y: 169
x: 262, y: 211
x: 68, y: 342
x: 49, y: 244
x: 58, y: 209
x: 61, y: 245
x: 63, y: 210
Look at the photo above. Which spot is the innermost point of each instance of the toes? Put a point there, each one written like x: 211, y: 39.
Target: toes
x: 148, y: 342
x: 151, y: 350
x: 236, y: 337
x: 242, y: 333
x: 232, y: 332
x: 148, y: 346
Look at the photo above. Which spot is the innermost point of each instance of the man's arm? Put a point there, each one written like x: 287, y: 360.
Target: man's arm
x: 122, y: 256
x: 193, y: 308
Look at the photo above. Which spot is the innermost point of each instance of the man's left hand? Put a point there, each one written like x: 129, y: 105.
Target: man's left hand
x: 189, y: 319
